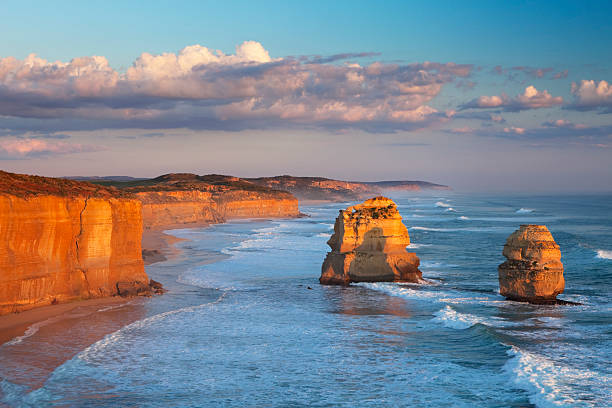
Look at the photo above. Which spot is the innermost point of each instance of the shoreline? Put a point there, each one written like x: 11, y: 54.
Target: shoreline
x: 160, y: 247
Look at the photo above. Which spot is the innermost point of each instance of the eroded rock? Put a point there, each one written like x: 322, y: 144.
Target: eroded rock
x: 369, y: 245
x: 533, y: 271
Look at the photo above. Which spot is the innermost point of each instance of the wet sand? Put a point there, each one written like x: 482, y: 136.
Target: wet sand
x: 34, y: 342
x: 159, y: 247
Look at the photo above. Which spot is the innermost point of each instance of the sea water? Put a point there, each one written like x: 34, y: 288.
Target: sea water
x: 246, y: 323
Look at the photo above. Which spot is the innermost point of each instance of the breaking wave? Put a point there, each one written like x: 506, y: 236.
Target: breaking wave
x: 450, y: 318
x: 604, y: 254
x: 442, y: 204
x: 524, y: 211
x: 548, y: 384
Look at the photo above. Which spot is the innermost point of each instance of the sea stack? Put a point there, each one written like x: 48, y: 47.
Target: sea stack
x: 533, y: 271
x: 369, y: 245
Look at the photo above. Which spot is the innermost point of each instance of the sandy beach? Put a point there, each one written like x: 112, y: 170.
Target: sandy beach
x: 157, y: 247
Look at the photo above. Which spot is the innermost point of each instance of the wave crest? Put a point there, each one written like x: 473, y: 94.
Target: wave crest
x: 450, y: 318
x: 547, y: 383
x: 604, y: 254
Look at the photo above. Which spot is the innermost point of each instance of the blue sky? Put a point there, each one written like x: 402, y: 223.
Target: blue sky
x: 380, y: 100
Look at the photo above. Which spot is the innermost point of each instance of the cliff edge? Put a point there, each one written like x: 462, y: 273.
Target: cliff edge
x: 184, y: 199
x: 63, y: 240
x: 324, y: 189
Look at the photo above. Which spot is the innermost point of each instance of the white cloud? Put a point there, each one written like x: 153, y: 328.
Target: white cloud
x: 589, y: 94
x: 531, y: 98
x: 203, y: 88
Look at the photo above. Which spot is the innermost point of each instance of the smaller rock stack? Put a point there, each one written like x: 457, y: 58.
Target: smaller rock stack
x: 533, y: 271
x: 369, y: 245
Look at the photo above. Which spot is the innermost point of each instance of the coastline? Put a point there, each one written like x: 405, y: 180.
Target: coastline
x: 160, y: 246
x: 17, y: 324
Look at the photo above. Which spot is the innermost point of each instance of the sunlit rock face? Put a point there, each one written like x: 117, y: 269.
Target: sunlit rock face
x: 369, y: 245
x: 533, y: 271
x: 63, y: 248
x: 183, y: 199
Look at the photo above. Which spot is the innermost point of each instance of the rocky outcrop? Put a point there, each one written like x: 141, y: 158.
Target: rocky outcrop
x: 65, y: 240
x: 369, y: 245
x: 533, y: 271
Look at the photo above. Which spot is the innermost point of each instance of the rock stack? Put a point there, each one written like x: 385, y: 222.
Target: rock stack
x: 533, y: 271
x: 369, y: 245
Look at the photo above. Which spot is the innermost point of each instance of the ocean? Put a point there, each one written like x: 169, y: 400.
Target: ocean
x: 246, y: 324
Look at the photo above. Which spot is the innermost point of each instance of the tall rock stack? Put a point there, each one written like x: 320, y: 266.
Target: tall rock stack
x: 533, y: 271
x: 369, y: 245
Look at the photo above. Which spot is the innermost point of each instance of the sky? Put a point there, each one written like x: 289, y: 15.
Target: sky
x: 508, y: 96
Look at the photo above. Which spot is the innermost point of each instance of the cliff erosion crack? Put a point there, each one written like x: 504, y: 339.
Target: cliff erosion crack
x: 76, y: 241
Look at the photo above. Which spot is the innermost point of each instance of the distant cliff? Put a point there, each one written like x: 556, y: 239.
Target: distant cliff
x: 319, y: 188
x: 183, y: 199
x: 64, y: 240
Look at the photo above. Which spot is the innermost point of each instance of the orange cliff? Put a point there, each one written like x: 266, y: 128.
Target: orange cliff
x: 369, y: 245
x: 64, y: 240
x: 183, y: 200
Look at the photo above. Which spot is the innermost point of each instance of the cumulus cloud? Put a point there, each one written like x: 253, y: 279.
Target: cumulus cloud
x: 515, y: 130
x: 531, y: 98
x: 202, y: 88
x: 28, y: 148
x: 592, y: 95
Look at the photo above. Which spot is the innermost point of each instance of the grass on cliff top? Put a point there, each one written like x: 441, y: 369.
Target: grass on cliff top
x: 187, y: 181
x: 23, y: 185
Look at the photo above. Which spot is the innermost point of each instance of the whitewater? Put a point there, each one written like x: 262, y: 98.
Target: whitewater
x: 245, y: 322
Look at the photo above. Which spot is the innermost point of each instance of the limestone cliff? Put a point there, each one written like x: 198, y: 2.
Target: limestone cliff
x: 62, y: 240
x: 533, y: 271
x: 369, y: 245
x: 182, y: 200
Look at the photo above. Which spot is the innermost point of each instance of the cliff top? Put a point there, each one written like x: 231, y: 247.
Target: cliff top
x: 320, y: 188
x: 377, y: 207
x: 23, y: 185
x: 189, y: 181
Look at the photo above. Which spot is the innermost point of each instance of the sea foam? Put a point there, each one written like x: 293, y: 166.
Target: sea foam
x: 442, y: 204
x: 548, y: 384
x: 450, y: 318
x: 604, y: 254
x: 524, y: 211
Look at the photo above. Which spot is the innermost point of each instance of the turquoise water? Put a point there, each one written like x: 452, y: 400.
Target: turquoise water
x: 247, y: 324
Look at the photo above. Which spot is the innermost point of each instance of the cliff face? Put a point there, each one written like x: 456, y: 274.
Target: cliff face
x: 369, y: 245
x: 176, y: 200
x: 80, y: 242
x: 165, y: 209
x: 533, y: 271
